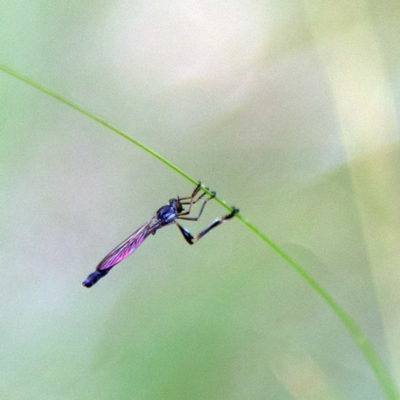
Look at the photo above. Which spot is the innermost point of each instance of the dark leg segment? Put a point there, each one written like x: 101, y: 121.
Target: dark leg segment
x: 193, y: 239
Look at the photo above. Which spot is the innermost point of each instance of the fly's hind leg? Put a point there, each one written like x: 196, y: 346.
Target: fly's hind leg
x: 193, y: 239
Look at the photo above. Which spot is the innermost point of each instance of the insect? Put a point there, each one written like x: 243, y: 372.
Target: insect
x: 166, y: 215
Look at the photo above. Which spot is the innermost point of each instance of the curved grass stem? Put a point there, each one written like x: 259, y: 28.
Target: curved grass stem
x: 379, y: 369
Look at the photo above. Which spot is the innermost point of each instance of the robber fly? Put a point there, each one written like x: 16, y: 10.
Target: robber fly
x: 166, y: 215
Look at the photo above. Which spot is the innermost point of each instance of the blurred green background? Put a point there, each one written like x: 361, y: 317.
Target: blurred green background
x: 289, y: 110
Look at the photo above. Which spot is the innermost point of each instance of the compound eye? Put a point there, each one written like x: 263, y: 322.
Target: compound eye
x: 178, y: 206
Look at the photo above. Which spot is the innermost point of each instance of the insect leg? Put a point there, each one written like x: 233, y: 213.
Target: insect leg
x: 193, y: 239
x: 194, y: 201
x: 195, y: 191
x: 180, y: 216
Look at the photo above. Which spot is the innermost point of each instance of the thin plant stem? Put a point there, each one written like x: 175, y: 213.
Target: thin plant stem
x: 379, y: 369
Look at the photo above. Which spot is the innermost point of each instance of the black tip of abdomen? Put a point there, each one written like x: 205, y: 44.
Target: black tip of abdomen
x: 93, y: 278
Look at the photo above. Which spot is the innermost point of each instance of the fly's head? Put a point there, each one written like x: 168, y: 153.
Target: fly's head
x: 177, y: 205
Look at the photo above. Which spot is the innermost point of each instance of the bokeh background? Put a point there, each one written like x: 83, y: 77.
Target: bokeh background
x: 288, y: 109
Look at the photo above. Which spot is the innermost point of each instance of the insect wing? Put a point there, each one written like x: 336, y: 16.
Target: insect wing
x: 128, y: 246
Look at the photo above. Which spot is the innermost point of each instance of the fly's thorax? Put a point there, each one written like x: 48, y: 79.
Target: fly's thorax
x: 167, y: 214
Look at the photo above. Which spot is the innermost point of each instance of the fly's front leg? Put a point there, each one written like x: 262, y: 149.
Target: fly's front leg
x: 193, y: 239
x: 193, y: 200
x: 193, y: 195
x: 213, y: 194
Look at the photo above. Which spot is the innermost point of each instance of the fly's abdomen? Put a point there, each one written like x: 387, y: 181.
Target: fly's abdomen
x: 94, y: 278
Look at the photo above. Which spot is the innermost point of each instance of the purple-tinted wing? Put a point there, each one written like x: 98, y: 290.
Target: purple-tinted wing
x: 123, y: 250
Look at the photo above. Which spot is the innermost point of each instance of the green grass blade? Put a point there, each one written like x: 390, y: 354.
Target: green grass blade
x: 362, y: 342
